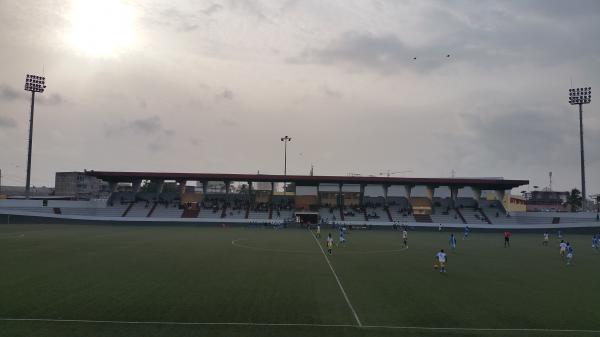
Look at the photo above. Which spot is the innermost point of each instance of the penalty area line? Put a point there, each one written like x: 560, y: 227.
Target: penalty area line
x: 315, y: 325
x: 337, y: 279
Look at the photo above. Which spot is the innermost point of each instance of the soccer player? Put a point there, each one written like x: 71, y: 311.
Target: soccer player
x: 441, y: 259
x: 466, y: 235
x: 318, y: 231
x: 440, y: 228
x: 342, y: 237
x: 563, y: 248
x: 569, y: 254
x: 329, y: 243
x: 559, y: 234
x: 405, y: 238
x: 452, y: 241
x: 546, y: 237
x: 507, y: 235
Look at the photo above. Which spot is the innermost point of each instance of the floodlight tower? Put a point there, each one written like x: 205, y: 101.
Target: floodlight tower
x: 285, y: 141
x: 581, y: 96
x: 34, y: 84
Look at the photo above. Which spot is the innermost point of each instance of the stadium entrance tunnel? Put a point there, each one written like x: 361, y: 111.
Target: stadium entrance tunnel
x: 307, y: 217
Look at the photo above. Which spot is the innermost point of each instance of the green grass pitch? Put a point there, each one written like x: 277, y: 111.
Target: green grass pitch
x: 92, y: 280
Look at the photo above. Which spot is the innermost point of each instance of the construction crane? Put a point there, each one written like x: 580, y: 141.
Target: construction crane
x: 389, y: 173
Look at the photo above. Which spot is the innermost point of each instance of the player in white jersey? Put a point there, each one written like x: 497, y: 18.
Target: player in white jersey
x: 329, y: 243
x: 546, y: 238
x: 440, y: 261
x: 405, y: 238
x: 318, y: 231
x: 563, y: 247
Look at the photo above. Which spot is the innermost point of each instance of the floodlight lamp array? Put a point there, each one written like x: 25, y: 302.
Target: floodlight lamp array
x: 580, y: 96
x: 35, y: 83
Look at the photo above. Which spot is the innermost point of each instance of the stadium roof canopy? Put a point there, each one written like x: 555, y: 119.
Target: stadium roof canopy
x: 306, y: 180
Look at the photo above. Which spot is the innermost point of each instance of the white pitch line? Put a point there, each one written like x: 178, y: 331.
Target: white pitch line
x: 91, y: 321
x: 338, y: 281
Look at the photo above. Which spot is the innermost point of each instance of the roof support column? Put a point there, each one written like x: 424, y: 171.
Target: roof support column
x: 476, y: 194
x: 429, y: 191
x: 361, y: 198
x: 204, y: 188
x: 227, y: 186
x: 112, y: 186
x: 319, y: 194
x: 385, y: 194
x: 408, y: 189
x: 453, y: 195
x: 250, y: 199
x: 136, y: 185
x: 181, y: 188
x: 340, y: 196
x: 500, y: 196
x: 160, y: 185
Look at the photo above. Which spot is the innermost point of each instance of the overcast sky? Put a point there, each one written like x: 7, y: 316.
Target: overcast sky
x: 212, y: 86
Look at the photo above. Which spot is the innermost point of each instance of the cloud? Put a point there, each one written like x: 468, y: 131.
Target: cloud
x: 52, y: 99
x: 228, y: 122
x: 384, y: 53
x: 520, y: 135
x: 8, y: 93
x: 212, y: 9
x: 331, y: 93
x: 151, y: 128
x: 7, y: 122
x: 482, y: 34
x: 226, y: 94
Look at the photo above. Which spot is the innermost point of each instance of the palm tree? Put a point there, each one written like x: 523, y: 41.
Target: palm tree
x: 574, y: 199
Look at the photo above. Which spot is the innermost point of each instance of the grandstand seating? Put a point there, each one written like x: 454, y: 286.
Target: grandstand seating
x: 45, y: 210
x: 472, y: 215
x: 139, y: 209
x: 170, y: 211
x: 329, y: 214
x: 354, y: 213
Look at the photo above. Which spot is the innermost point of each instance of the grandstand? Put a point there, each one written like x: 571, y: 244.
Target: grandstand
x: 332, y: 199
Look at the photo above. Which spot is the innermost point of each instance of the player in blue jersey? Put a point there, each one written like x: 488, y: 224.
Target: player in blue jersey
x: 342, y: 236
x: 467, y: 231
x: 452, y: 241
x: 569, y: 254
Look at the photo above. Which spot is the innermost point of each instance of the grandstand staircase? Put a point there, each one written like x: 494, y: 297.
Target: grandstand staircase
x: 190, y: 213
x: 152, y: 210
x: 462, y: 218
x: 485, y: 217
x: 127, y: 209
x: 387, y: 211
x: 423, y: 218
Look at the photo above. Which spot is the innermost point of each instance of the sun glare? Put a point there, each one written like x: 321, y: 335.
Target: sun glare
x: 101, y: 28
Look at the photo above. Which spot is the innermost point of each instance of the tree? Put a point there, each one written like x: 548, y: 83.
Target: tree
x: 574, y: 199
